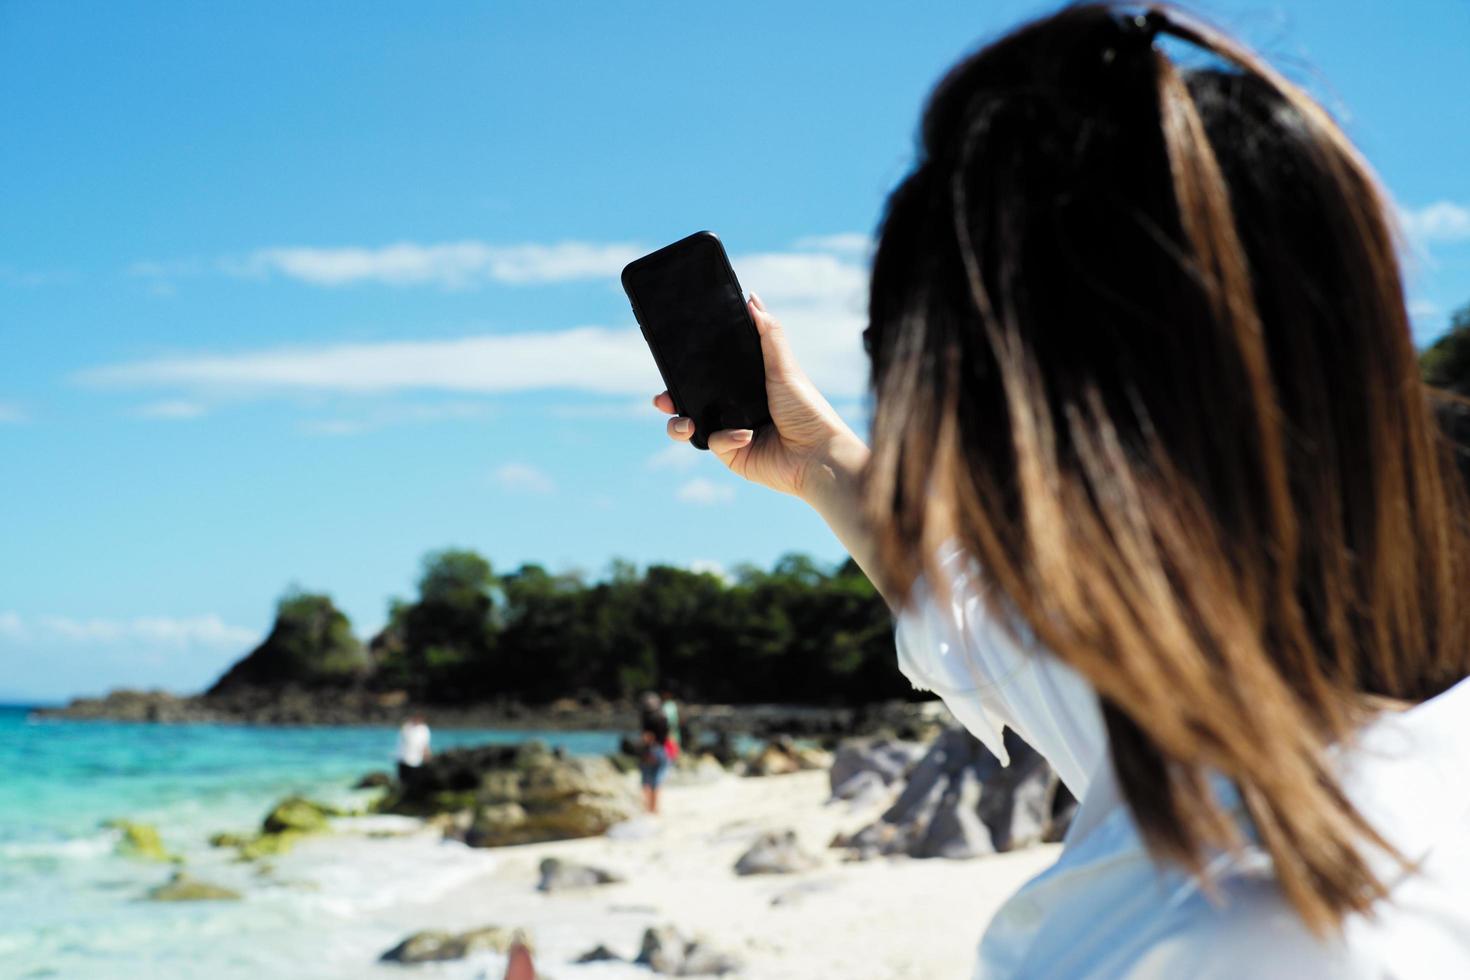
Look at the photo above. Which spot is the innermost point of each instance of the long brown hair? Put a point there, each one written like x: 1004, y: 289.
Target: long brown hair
x: 1140, y: 345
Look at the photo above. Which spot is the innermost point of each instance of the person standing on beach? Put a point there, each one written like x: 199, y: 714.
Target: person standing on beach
x: 413, y: 747
x: 670, y: 708
x: 1154, y: 481
x: 654, y: 761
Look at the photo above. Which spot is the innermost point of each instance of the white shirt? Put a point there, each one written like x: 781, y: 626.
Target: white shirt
x: 1106, y: 909
x: 413, y: 743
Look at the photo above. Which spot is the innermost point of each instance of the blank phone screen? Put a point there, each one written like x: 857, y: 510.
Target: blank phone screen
x: 693, y: 315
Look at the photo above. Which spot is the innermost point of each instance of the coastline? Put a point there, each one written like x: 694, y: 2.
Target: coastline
x: 299, y: 707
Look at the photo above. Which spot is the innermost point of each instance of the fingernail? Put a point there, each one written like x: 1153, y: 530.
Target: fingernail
x: 757, y: 301
x: 681, y: 426
x: 743, y: 435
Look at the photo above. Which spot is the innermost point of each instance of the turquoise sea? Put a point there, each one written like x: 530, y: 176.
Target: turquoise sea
x: 70, y: 907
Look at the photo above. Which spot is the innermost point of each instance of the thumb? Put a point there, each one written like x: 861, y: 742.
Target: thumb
x: 776, y: 351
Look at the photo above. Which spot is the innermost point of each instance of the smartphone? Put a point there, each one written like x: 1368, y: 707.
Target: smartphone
x: 692, y: 312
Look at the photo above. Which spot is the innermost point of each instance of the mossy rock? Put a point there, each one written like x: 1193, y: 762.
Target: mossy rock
x: 227, y: 839
x: 449, y: 802
x: 142, y: 841
x: 183, y: 888
x: 270, y: 845
x: 296, y: 813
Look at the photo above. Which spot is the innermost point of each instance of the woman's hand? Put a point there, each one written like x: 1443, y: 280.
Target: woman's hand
x: 806, y: 435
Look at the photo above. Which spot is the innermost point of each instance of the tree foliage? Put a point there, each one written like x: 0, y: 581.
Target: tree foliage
x: 310, y: 645
x: 1446, y: 366
x: 798, y: 633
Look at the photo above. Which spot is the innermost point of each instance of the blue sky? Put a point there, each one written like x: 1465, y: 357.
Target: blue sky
x: 294, y: 293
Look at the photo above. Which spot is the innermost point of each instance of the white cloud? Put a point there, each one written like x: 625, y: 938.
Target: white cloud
x: 12, y: 414
x: 597, y: 359
x: 1439, y: 223
x: 676, y: 456
x: 705, y: 566
x: 454, y: 265
x: 175, y: 632
x: 819, y: 296
x: 175, y: 410
x: 524, y: 478
x: 705, y: 492
x: 850, y: 242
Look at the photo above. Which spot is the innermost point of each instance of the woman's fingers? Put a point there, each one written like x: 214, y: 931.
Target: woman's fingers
x: 728, y: 441
x: 664, y: 402
x: 775, y: 351
x: 680, y: 429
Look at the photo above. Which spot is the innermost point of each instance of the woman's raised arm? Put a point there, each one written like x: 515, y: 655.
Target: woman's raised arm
x: 807, y: 451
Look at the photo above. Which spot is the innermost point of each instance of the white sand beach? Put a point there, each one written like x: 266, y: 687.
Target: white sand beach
x: 888, y: 918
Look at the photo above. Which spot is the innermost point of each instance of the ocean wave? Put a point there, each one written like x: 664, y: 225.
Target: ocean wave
x: 71, y: 849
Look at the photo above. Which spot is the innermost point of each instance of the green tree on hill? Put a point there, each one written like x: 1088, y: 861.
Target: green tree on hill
x: 443, y: 645
x: 1446, y: 366
x: 310, y: 645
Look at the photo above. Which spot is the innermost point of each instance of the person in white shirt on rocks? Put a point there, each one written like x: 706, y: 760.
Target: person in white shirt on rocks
x: 413, y: 747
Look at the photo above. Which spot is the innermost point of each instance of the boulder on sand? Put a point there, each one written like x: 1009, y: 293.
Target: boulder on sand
x: 518, y: 794
x: 960, y: 802
x: 781, y: 756
x: 778, y: 853
x: 667, y: 951
x: 432, y: 945
x: 558, y: 875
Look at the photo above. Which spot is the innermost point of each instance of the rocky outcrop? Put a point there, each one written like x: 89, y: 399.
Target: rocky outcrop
x: 558, y: 875
x: 862, y: 763
x: 183, y: 888
x: 517, y: 794
x: 959, y: 802
x: 432, y: 946
x: 668, y: 951
x: 777, y: 853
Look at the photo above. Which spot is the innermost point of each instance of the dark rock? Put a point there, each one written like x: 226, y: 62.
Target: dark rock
x: 558, y: 875
x: 958, y: 801
x: 374, y: 780
x: 775, y: 854
x: 667, y: 951
x: 517, y: 794
x: 598, y: 954
x: 862, y: 788
x: 888, y: 758
x: 432, y: 946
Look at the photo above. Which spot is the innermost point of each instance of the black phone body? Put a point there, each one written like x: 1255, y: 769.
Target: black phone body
x: 692, y: 312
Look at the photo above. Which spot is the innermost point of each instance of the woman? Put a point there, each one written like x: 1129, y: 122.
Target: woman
x: 1153, y: 481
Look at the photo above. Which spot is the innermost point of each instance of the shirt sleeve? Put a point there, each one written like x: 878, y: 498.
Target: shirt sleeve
x: 954, y: 647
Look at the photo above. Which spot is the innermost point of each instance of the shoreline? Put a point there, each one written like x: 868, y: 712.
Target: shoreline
x: 899, y: 917
x: 306, y: 709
